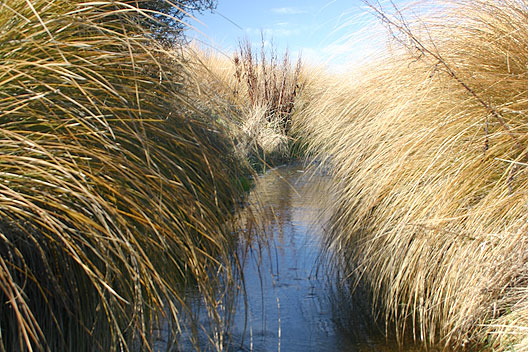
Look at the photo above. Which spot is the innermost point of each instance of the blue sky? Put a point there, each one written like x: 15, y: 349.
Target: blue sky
x: 322, y: 30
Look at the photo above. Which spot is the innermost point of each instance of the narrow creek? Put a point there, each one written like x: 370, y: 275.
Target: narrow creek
x: 290, y: 304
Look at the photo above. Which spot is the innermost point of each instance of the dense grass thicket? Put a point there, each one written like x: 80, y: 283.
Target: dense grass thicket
x: 429, y: 147
x: 121, y: 164
x: 258, y: 89
x: 115, y: 190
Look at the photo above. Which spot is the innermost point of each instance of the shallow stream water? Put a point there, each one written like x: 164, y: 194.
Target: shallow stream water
x: 291, y: 305
x: 291, y: 302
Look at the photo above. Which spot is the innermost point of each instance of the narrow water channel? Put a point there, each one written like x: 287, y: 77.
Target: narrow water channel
x: 290, y: 306
x: 290, y: 301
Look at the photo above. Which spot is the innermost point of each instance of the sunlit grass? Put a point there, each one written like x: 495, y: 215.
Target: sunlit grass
x: 261, y: 87
x: 428, y: 150
x: 115, y: 192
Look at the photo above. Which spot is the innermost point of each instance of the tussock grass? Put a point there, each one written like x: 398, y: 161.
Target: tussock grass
x: 268, y: 81
x: 115, y: 192
x: 260, y: 88
x: 428, y: 147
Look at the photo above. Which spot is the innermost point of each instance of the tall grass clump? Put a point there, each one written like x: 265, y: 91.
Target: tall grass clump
x: 115, y: 192
x: 270, y: 84
x: 268, y: 81
x: 260, y: 87
x: 428, y: 146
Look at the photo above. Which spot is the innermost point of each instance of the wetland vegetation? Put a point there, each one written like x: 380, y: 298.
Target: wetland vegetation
x: 132, y: 216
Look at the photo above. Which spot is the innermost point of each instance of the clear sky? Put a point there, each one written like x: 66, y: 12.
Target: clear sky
x: 322, y: 30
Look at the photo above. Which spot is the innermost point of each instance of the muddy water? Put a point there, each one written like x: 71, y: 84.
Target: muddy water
x: 291, y: 302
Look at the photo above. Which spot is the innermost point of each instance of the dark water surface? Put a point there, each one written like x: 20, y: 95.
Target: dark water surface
x: 290, y: 304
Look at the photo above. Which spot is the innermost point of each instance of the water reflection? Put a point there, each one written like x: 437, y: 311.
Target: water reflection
x: 290, y: 304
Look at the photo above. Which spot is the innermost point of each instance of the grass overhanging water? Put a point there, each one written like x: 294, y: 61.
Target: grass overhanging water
x: 428, y: 148
x: 116, y: 192
x: 122, y: 164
